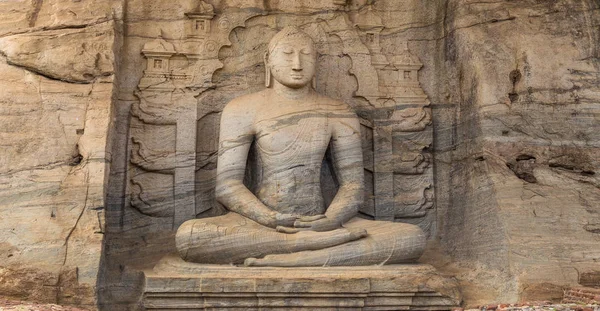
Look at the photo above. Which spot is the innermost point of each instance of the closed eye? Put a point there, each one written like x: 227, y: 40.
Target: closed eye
x: 306, y: 51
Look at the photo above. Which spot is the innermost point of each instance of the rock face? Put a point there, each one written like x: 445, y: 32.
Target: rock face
x: 495, y: 156
x: 56, y: 89
x: 520, y: 162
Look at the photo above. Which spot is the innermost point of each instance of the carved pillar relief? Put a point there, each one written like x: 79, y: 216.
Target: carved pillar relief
x: 400, y: 122
x: 164, y: 138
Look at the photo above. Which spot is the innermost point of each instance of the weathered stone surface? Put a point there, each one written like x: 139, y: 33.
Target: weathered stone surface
x: 78, y: 56
x: 520, y: 159
x: 500, y: 167
x: 582, y: 295
x: 174, y: 283
x: 21, y: 16
x: 57, y: 65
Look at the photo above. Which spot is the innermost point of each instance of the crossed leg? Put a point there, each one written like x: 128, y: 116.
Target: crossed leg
x: 386, y: 243
x: 232, y: 238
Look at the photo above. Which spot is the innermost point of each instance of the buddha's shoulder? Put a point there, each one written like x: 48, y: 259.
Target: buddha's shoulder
x: 245, y: 103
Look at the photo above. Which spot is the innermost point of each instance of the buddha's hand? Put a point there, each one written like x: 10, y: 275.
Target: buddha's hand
x: 288, y: 220
x: 322, y: 223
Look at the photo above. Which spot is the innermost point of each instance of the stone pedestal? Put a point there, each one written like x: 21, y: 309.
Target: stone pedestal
x: 177, y: 285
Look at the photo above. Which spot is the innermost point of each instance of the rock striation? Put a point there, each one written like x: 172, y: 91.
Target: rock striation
x: 519, y: 162
x: 56, y: 89
x: 479, y: 123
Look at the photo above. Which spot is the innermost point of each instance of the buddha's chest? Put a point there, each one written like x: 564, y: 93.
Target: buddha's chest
x: 296, y: 137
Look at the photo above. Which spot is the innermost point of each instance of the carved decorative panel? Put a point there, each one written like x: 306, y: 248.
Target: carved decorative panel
x: 175, y: 123
x: 163, y: 180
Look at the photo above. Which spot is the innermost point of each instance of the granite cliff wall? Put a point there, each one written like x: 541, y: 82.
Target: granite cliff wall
x: 521, y: 168
x: 57, y: 65
x: 514, y: 95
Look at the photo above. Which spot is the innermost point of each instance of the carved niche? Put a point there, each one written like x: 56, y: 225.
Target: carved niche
x: 174, y: 133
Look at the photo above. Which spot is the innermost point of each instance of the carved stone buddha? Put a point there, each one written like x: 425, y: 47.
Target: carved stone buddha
x: 285, y: 222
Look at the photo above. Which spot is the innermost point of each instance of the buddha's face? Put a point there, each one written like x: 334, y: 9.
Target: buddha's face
x: 292, y: 61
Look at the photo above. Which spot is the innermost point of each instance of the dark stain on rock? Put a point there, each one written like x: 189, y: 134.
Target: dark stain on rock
x: 572, y: 168
x: 590, y: 279
x: 593, y: 228
x: 76, y: 160
x: 576, y: 163
x: 76, y: 157
x: 523, y: 166
x: 515, y: 77
x: 525, y: 157
x: 33, y: 15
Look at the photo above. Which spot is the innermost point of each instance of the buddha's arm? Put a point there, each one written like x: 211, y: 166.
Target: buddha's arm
x: 347, y: 161
x: 235, y: 138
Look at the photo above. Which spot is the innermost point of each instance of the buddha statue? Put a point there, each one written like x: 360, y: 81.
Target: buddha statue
x: 285, y: 222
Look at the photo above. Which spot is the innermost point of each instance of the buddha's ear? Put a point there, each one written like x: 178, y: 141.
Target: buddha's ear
x: 267, y: 70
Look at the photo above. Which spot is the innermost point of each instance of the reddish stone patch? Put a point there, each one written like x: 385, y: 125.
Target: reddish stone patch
x: 583, y: 295
x: 538, y: 306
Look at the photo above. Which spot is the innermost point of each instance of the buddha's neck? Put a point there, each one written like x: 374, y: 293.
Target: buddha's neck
x: 291, y: 93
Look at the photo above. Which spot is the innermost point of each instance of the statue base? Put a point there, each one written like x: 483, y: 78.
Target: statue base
x: 177, y: 285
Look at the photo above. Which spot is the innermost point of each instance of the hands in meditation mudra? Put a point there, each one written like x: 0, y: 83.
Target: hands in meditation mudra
x: 285, y: 222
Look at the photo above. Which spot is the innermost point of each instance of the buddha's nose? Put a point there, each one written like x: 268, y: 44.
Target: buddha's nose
x: 297, y: 63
